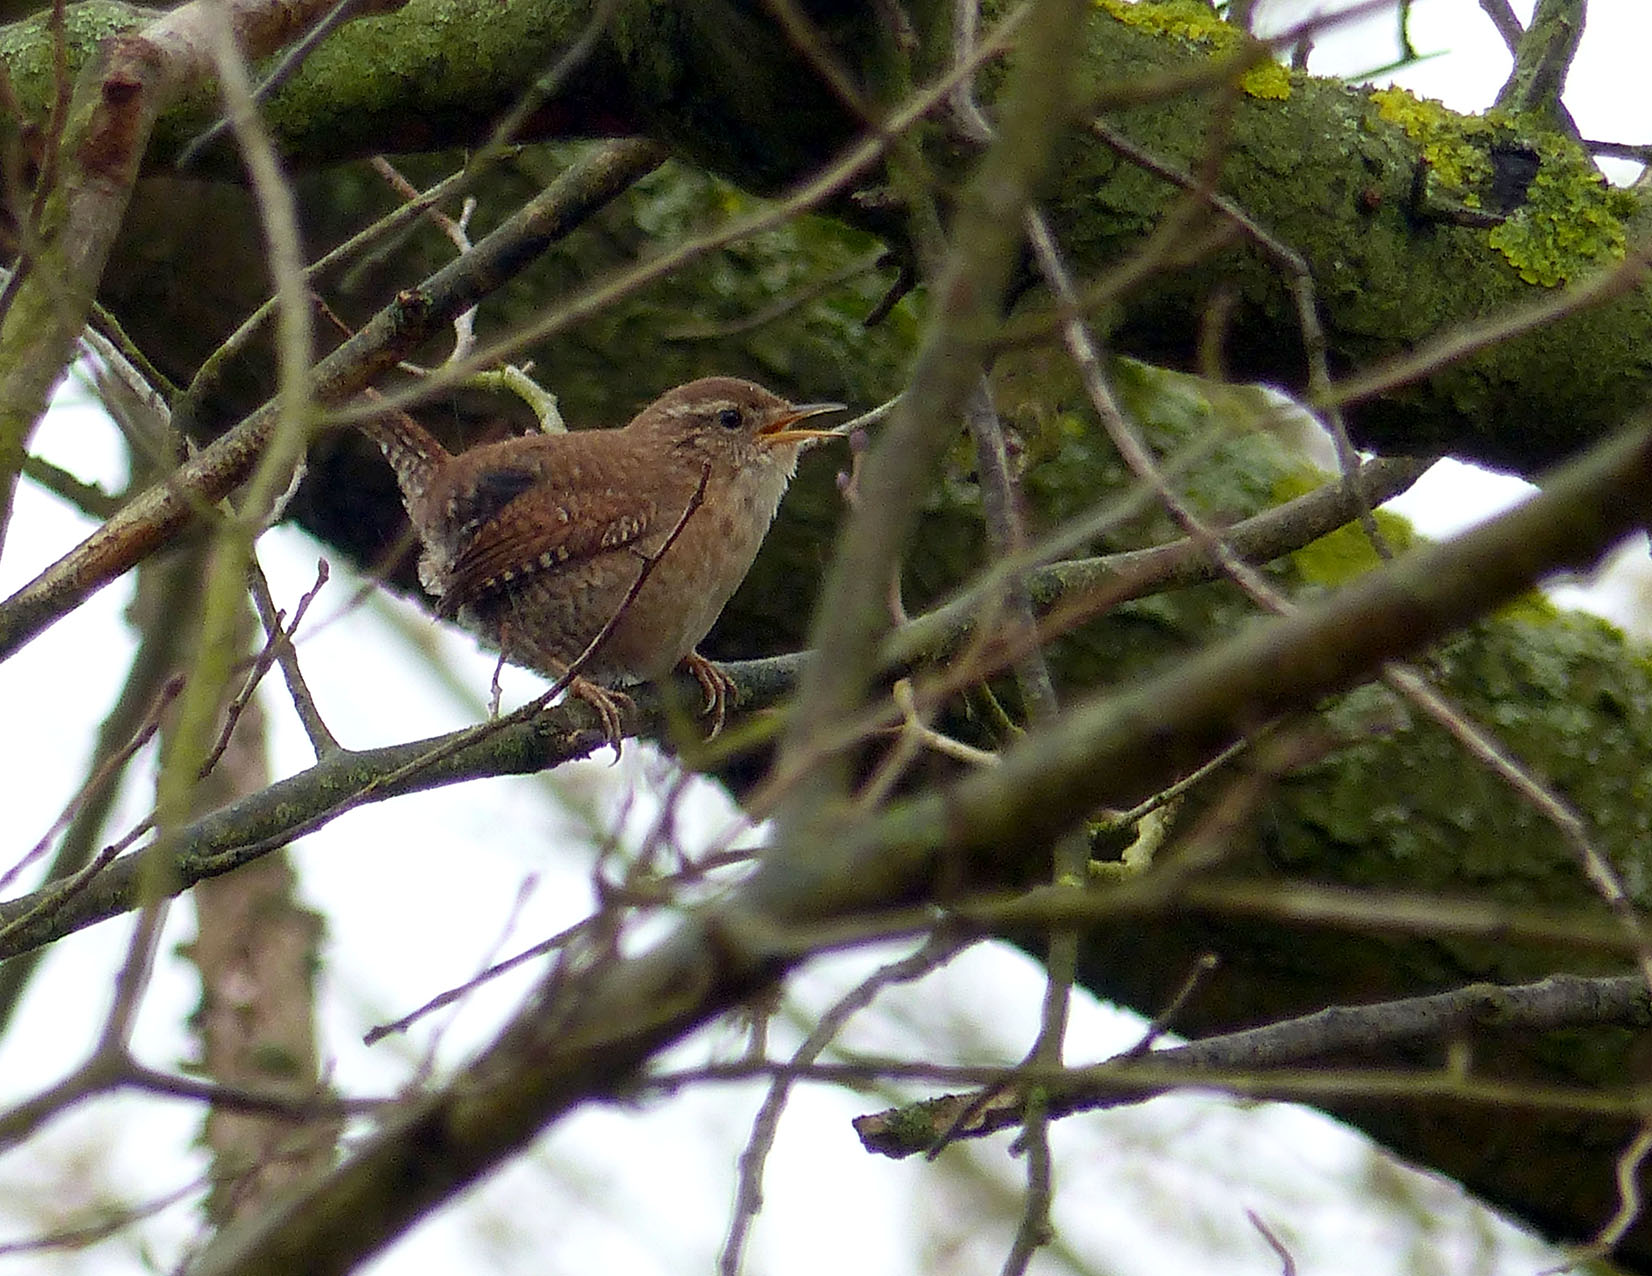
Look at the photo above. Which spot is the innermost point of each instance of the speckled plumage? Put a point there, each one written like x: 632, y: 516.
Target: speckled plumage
x: 535, y: 542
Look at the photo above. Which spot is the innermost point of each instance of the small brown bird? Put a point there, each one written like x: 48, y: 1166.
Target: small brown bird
x: 537, y: 543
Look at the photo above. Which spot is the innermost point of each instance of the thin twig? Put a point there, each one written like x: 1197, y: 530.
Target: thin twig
x: 42, y: 904
x: 451, y: 995
x: 322, y: 741
x: 546, y: 86
x: 1491, y: 753
x: 1139, y: 812
x: 1287, y: 1264
x: 938, y: 949
x: 1001, y: 505
x: 464, y: 323
x: 1435, y: 354
x: 1503, y: 18
x: 112, y: 1223
x: 260, y: 665
x: 295, y: 57
x: 1627, y: 1174
x: 106, y: 770
x: 426, y: 1067
x: 1165, y: 1020
x: 88, y: 498
x: 804, y: 37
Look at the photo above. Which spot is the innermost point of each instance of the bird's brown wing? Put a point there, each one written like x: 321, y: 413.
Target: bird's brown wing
x: 545, y: 529
x: 484, y: 495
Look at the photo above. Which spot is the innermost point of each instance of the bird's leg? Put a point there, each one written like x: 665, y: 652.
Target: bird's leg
x: 716, y: 684
x: 496, y: 691
x: 515, y: 643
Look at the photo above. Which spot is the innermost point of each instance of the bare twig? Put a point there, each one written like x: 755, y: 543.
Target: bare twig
x: 936, y: 951
x: 464, y: 323
x: 1490, y: 753
x: 106, y: 771
x: 1627, y: 1174
x: 1287, y: 1264
x: 1254, y: 1060
x: 806, y: 38
x: 1462, y: 342
x: 1503, y: 17
x: 1165, y: 1020
x: 281, y: 642
x: 342, y: 12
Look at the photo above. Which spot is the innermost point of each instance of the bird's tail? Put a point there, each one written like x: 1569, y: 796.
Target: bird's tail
x: 414, y: 453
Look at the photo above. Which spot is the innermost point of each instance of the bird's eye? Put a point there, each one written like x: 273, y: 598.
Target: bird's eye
x: 729, y: 418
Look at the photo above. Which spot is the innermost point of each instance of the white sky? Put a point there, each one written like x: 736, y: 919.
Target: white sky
x: 417, y: 894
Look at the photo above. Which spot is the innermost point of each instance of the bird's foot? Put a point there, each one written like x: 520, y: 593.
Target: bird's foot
x: 717, y: 685
x: 610, y: 705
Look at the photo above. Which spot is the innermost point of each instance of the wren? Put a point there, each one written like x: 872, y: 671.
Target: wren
x: 537, y: 543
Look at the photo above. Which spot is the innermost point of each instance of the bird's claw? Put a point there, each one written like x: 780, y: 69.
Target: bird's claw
x: 717, y: 685
x: 610, y: 705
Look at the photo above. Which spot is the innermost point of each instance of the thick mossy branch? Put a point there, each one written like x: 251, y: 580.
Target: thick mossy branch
x: 442, y: 73
x: 1324, y: 168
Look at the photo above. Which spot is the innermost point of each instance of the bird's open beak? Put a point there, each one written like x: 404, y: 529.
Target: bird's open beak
x: 779, y: 430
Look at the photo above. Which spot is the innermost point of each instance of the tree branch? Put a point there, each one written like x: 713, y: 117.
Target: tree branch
x: 1559, y: 1001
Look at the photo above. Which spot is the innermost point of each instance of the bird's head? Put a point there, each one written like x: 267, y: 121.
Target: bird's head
x: 732, y: 422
